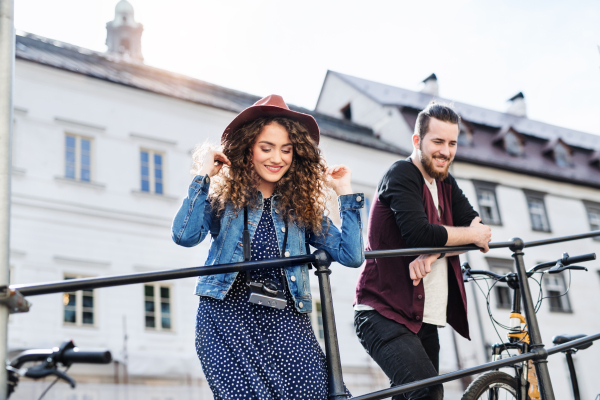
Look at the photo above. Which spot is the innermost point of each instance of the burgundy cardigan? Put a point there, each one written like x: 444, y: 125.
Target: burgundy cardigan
x: 403, y: 215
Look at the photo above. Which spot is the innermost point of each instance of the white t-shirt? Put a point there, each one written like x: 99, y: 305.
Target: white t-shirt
x: 435, y: 283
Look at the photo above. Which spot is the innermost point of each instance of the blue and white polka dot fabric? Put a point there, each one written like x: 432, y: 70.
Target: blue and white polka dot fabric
x: 249, y: 351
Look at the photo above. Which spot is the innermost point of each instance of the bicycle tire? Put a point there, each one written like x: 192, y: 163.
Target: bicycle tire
x: 492, y: 380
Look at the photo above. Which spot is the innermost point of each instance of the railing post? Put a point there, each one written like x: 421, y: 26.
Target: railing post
x: 535, y: 338
x: 337, y: 390
x: 7, y: 60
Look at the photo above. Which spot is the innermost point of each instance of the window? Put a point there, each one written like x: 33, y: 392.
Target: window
x: 347, y: 112
x: 78, y: 306
x: 503, y: 293
x: 562, y: 155
x: 151, y: 171
x: 593, y: 212
x: 537, y: 211
x: 157, y: 306
x: 78, y: 158
x: 488, y: 206
x: 513, y: 144
x: 125, y: 42
x: 317, y: 317
x: 512, y: 141
x: 465, y: 135
x: 555, y: 292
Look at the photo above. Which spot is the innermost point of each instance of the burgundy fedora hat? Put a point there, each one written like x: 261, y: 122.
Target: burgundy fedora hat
x: 271, y: 106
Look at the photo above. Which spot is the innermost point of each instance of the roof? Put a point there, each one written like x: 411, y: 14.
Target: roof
x: 487, y: 149
x: 395, y: 96
x: 128, y: 72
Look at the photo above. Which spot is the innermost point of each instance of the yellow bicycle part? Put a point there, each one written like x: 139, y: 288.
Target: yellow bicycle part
x: 523, y: 336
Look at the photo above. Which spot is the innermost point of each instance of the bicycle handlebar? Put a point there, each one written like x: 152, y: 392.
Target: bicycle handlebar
x: 565, y: 261
x: 491, y: 274
x: 557, y: 266
x: 86, y: 357
x: 69, y: 356
x: 578, y: 259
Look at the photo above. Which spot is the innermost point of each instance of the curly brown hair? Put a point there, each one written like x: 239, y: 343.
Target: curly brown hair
x: 303, y: 191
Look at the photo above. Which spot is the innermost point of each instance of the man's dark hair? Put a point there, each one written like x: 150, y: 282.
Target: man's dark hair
x: 441, y: 112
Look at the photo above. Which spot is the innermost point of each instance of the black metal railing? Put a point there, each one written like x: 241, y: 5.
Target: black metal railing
x: 322, y: 261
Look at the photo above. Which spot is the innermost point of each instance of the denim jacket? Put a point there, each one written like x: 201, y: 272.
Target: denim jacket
x: 194, y: 221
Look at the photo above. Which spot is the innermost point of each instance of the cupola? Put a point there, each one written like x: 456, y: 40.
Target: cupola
x: 124, y: 34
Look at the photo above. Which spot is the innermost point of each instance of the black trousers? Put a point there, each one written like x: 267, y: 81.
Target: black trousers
x: 403, y: 356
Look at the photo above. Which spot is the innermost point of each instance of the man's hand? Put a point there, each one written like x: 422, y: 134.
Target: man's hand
x: 421, y: 266
x: 482, y: 234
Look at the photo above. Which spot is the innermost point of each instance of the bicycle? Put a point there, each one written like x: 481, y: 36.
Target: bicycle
x: 48, y: 363
x: 496, y: 385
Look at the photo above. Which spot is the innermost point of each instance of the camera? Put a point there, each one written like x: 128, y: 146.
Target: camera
x: 267, y: 294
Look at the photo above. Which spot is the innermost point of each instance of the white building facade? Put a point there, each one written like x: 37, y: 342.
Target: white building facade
x: 102, y: 147
x: 527, y: 179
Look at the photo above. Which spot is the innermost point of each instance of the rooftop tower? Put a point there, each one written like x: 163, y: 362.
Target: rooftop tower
x: 123, y: 34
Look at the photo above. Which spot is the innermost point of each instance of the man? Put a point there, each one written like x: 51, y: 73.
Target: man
x: 401, y: 301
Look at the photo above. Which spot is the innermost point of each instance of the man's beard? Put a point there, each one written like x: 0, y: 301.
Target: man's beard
x: 427, y: 163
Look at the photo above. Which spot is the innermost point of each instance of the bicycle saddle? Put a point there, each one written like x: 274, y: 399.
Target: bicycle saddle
x: 560, y: 339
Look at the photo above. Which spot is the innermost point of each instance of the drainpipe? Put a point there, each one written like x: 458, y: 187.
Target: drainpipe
x: 7, y: 61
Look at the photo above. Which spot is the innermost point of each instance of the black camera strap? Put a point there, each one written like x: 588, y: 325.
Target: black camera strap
x: 246, y: 245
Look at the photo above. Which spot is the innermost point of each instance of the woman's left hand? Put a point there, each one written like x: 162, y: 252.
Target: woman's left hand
x: 339, y: 178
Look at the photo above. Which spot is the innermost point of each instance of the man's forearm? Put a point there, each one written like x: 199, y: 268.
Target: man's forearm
x: 460, y: 235
x: 477, y: 234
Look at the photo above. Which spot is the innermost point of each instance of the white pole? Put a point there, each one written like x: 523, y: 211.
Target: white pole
x: 7, y: 60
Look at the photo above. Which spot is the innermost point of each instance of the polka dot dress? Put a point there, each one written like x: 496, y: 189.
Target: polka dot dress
x: 250, y: 351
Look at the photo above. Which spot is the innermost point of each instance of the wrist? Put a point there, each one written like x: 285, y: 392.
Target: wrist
x: 344, y: 190
x: 204, y: 172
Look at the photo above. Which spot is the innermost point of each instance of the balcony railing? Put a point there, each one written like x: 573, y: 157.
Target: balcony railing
x: 321, y: 261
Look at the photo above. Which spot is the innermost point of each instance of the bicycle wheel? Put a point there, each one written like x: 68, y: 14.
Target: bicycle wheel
x: 492, y: 385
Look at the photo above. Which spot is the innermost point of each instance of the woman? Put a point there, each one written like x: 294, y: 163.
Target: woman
x: 253, y: 332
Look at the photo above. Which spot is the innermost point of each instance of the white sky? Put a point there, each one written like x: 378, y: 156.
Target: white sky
x: 483, y: 52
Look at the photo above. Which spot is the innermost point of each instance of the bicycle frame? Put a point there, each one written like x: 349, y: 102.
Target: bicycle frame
x: 527, y: 382
x: 534, y: 335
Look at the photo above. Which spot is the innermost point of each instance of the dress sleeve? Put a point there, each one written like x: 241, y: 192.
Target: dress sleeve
x: 193, y: 220
x: 401, y: 189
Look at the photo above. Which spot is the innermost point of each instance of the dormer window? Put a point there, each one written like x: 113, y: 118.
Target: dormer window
x: 465, y: 134
x: 347, y: 112
x: 561, y: 152
x: 511, y: 140
x: 594, y: 159
x: 562, y: 155
x: 513, y: 145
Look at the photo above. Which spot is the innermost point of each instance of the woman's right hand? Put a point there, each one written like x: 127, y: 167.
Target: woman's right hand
x: 212, y: 163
